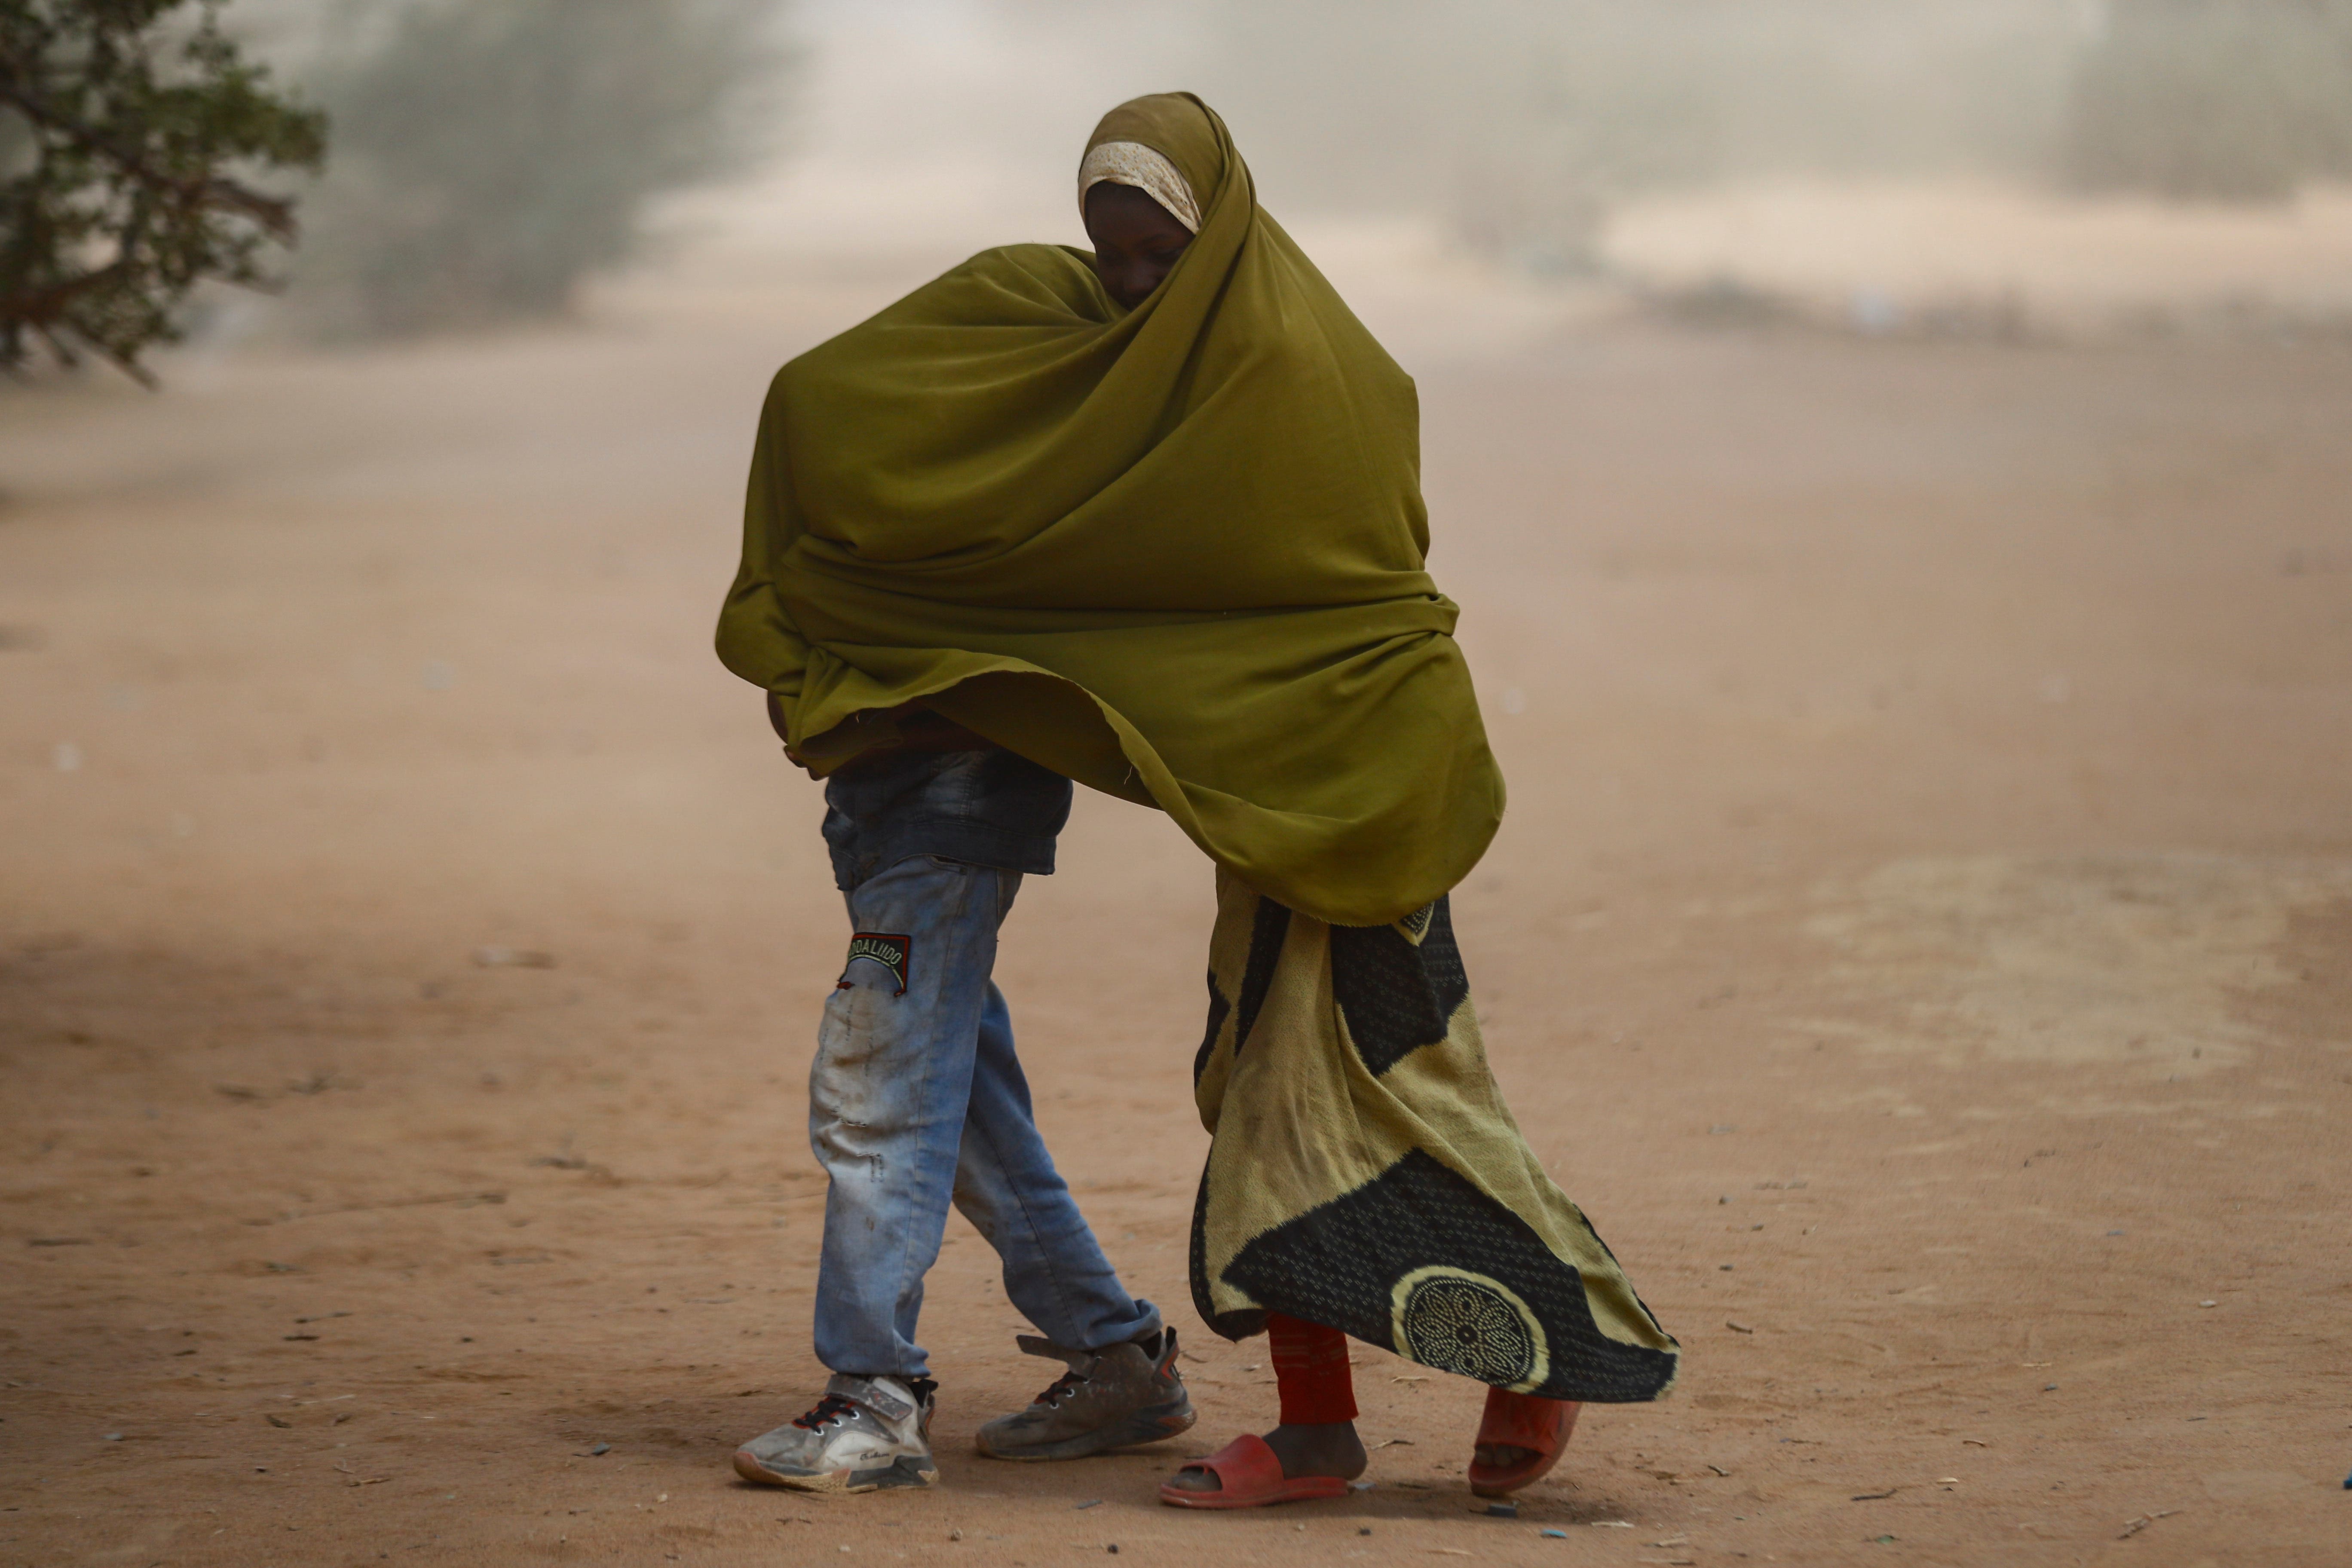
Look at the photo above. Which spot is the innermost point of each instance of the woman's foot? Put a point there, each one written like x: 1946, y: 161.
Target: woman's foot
x: 1501, y: 1456
x: 1331, y: 1450
x: 1519, y: 1439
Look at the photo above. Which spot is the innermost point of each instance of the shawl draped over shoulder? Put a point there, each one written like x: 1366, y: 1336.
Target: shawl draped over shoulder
x: 1176, y: 553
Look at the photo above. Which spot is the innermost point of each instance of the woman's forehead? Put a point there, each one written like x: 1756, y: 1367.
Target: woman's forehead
x: 1125, y: 214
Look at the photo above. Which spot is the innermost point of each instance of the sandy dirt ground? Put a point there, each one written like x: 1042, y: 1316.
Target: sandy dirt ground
x: 1922, y: 939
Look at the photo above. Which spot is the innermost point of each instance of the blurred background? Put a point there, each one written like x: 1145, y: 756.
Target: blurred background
x: 2074, y: 166
x: 1890, y: 458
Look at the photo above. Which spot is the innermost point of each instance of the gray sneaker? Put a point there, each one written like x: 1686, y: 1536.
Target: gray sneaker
x: 1113, y: 1398
x: 865, y: 1434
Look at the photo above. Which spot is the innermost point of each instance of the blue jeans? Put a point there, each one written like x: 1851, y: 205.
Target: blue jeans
x: 915, y: 1100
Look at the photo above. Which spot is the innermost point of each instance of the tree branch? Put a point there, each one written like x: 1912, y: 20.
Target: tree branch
x: 275, y: 215
x: 46, y: 305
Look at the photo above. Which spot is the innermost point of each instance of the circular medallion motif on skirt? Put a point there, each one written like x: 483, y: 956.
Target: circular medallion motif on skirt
x: 1463, y: 1322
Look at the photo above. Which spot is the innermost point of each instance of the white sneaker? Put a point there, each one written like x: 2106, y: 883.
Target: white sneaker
x: 865, y: 1434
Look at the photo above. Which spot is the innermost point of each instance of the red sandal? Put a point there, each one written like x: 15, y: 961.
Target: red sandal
x: 1249, y: 1476
x: 1520, y: 1421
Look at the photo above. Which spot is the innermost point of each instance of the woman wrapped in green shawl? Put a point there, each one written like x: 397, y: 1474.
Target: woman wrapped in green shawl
x: 1151, y: 518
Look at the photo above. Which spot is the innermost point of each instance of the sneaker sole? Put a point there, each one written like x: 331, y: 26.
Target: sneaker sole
x: 1153, y: 1425
x: 904, y: 1471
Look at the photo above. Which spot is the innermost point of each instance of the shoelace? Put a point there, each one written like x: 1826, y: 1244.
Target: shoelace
x: 831, y: 1407
x: 1067, y: 1384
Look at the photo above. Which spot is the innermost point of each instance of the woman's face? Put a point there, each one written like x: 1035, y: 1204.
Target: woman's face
x: 1136, y: 240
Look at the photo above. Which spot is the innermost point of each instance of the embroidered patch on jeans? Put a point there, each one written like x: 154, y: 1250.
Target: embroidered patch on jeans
x: 890, y: 952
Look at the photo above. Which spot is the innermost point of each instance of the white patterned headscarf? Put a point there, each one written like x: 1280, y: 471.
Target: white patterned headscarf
x: 1133, y: 163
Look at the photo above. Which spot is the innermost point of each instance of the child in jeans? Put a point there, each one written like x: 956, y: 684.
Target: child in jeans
x: 916, y: 1099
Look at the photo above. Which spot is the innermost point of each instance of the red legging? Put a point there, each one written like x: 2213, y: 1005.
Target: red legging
x: 1310, y: 1366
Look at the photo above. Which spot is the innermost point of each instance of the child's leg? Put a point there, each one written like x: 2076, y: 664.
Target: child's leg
x: 1005, y: 1184
x: 887, y: 1096
x: 1122, y: 1388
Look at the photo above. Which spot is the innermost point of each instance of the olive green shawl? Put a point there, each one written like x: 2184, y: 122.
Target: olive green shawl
x: 1175, y: 553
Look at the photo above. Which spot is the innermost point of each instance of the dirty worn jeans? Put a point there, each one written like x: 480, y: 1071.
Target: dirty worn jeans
x: 916, y: 1098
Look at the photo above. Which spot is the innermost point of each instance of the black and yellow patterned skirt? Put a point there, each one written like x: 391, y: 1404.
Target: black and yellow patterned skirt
x: 1365, y: 1173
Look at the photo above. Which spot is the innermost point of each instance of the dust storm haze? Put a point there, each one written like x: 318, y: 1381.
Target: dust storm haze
x: 1890, y: 457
